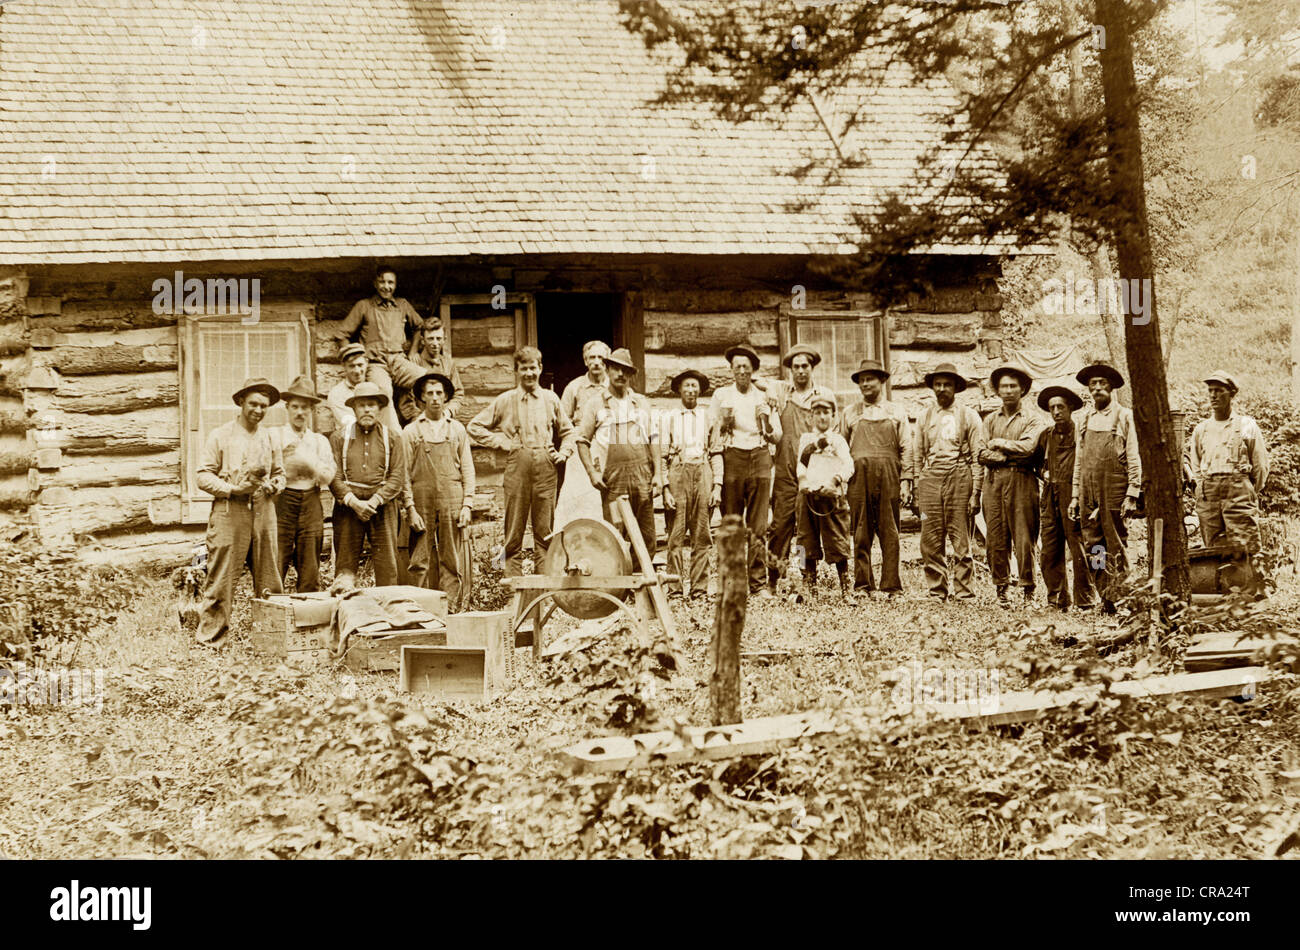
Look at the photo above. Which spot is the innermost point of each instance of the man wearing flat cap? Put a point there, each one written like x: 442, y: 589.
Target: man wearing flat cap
x: 308, y: 467
x: 1005, y: 449
x: 241, y: 469
x: 793, y: 400
x: 440, y: 469
x: 943, y: 458
x: 1229, y: 464
x: 1107, y: 480
x: 880, y: 441
x: 747, y: 424
x: 1060, y: 531
x: 618, y: 443
x: 352, y: 357
x: 370, y: 489
x: 694, y: 482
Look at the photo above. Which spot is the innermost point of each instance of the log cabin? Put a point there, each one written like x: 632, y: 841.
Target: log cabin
x: 505, y: 158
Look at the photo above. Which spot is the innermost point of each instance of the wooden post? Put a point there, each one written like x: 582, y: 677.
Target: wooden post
x: 724, y: 652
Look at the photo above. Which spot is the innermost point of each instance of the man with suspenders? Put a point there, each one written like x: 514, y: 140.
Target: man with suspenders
x: 1058, y: 446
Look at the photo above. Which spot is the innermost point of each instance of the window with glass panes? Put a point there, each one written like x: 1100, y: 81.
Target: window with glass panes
x: 844, y: 339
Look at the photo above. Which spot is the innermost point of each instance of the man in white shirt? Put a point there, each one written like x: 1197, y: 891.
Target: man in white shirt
x: 747, y: 424
x: 694, y: 486
x: 308, y: 467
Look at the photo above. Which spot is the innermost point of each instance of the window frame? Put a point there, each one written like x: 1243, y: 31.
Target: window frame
x: 788, y: 333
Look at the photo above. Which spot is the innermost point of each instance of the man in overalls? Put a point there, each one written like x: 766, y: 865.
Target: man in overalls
x: 618, y: 443
x: 943, y: 459
x: 747, y: 424
x: 1229, y: 465
x: 793, y: 400
x: 1107, y: 480
x: 442, y: 482
x: 1007, y: 443
x: 309, y: 467
x: 693, y: 463
x: 1060, y: 532
x: 880, y: 441
x: 526, y: 422
x: 241, y: 469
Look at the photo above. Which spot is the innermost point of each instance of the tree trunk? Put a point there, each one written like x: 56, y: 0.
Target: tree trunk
x: 1295, y: 319
x: 1161, y: 469
x: 724, y: 651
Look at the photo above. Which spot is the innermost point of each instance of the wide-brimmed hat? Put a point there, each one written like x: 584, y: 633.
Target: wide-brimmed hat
x: 1072, y: 399
x: 695, y: 374
x: 1025, y: 379
x: 418, y: 389
x: 946, y: 369
x: 1219, y: 376
x: 621, y: 357
x: 801, y: 349
x: 870, y: 366
x: 257, y: 384
x: 366, y: 390
x: 350, y: 350
x: 301, y: 388
x: 740, y: 349
x: 1104, y: 370
x: 821, y: 399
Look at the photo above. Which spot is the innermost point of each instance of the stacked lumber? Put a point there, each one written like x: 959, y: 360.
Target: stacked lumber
x: 1222, y: 651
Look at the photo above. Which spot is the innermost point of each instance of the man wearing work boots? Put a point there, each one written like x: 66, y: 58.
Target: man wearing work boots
x: 1007, y: 443
x: 824, y: 470
x: 1060, y: 531
x: 1107, y: 480
x: 694, y: 480
x: 943, y: 458
x: 308, y: 467
x: 241, y: 469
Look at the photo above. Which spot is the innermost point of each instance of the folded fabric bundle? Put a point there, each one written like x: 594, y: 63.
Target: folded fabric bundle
x: 374, y: 610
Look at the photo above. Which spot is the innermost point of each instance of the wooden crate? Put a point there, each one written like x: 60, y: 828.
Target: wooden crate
x: 445, y: 672
x: 383, y: 652
x: 295, y: 627
x: 488, y: 630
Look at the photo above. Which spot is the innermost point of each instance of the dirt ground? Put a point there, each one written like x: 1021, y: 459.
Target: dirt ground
x: 223, y: 753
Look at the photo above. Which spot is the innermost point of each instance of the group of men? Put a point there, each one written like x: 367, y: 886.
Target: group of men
x: 780, y: 453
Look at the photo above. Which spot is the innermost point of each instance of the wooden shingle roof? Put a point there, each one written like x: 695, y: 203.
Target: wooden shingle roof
x: 171, y: 130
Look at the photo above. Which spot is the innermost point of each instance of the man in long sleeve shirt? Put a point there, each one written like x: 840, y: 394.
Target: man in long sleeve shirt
x: 429, y: 354
x: 823, y: 468
x: 694, y: 465
x: 309, y: 467
x: 1107, y: 480
x: 879, y: 435
x: 242, y: 470
x: 525, y: 422
x: 1058, y: 446
x: 370, y: 487
x: 1007, y: 444
x: 384, y: 321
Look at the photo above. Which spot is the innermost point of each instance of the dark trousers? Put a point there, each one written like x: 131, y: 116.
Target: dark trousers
x: 530, y: 488
x: 944, y: 500
x: 785, y: 524
x: 823, y: 529
x: 1061, y: 535
x: 691, y: 486
x: 300, y: 528
x: 874, y: 501
x: 236, y: 531
x: 350, y: 531
x: 633, y: 479
x: 746, y: 491
x: 1011, y: 517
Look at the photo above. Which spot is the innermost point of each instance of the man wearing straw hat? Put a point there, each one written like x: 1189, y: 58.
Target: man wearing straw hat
x: 309, y: 467
x: 1007, y: 444
x: 793, y: 401
x: 370, y: 489
x: 618, y: 443
x: 694, y: 481
x: 1107, y: 480
x: 1060, y: 532
x: 441, y: 473
x: 943, y: 458
x: 242, y: 470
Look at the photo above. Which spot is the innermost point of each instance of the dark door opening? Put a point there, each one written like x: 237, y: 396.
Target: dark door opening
x: 565, y: 321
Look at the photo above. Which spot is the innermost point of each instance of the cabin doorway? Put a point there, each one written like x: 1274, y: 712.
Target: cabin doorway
x: 565, y: 321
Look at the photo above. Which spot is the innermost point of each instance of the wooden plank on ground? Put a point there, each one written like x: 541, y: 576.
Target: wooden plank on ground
x: 1220, y: 651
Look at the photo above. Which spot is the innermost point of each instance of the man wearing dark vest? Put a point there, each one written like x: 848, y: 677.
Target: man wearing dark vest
x: 1059, y: 531
x: 880, y: 441
x: 943, y: 458
x: 441, y: 471
x: 1107, y: 480
x: 793, y: 400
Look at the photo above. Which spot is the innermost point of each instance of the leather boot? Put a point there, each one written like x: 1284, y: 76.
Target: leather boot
x: 846, y: 590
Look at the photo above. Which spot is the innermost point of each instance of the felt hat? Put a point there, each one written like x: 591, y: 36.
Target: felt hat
x: 695, y: 374
x: 1069, y: 395
x: 366, y: 390
x: 875, y: 367
x: 418, y: 388
x: 1219, y: 376
x: 350, y: 350
x: 257, y: 384
x: 801, y: 349
x: 740, y: 349
x: 621, y: 357
x: 301, y: 388
x: 821, y: 399
x: 1101, y: 369
x: 1025, y: 379
x: 946, y: 369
